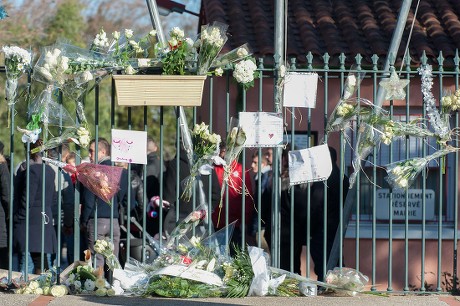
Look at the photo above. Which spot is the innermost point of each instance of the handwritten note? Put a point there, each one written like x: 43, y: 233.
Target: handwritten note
x: 129, y: 146
x: 262, y: 129
x: 300, y: 89
x: 309, y: 165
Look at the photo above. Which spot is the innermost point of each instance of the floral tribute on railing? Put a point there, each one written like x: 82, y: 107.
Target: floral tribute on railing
x: 205, y: 149
x: 377, y: 127
x: 102, y: 180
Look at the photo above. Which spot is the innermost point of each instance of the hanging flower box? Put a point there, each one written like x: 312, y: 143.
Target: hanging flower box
x: 164, y: 90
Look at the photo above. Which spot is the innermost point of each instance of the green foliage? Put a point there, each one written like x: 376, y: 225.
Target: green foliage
x: 68, y: 23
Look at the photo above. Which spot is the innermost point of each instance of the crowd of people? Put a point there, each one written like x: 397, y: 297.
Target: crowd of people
x: 39, y: 186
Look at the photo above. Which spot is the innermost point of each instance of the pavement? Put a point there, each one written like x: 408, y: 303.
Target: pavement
x: 359, y: 300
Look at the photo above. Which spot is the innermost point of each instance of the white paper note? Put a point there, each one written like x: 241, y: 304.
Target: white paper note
x: 129, y: 146
x: 300, y: 89
x: 309, y: 165
x: 262, y: 129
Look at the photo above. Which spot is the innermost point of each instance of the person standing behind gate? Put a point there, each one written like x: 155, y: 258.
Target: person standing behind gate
x: 37, y: 187
x: 285, y: 208
x: 333, y: 214
x: 91, y: 201
x: 4, y: 208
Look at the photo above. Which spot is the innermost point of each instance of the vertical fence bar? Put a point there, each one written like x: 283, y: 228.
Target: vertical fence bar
x: 442, y: 165
x: 456, y: 164
x: 374, y: 186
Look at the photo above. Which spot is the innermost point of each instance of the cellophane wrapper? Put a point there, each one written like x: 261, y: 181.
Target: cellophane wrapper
x: 212, y: 39
x: 347, y: 280
x: 102, y: 180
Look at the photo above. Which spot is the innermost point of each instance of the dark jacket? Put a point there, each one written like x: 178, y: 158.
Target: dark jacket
x: 333, y: 202
x: 5, y: 201
x: 36, y: 219
x: 170, y: 190
x: 90, y: 201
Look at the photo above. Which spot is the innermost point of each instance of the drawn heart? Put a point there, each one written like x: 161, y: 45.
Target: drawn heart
x: 270, y: 136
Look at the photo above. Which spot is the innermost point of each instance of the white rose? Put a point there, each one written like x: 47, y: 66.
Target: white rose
x: 219, y: 72
x: 242, y: 52
x: 153, y: 33
x: 130, y: 70
x: 128, y: 33
x: 116, y: 35
x: 89, y: 285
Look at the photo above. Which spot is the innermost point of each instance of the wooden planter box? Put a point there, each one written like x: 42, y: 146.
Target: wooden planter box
x: 165, y: 90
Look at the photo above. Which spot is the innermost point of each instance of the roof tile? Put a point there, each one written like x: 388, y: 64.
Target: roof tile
x: 347, y: 26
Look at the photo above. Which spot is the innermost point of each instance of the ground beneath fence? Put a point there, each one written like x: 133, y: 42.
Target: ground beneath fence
x: 87, y: 300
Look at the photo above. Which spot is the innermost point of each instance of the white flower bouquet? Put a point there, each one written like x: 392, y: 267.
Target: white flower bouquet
x: 347, y: 280
x: 105, y: 248
x: 205, y: 147
x: 402, y: 174
x: 245, y: 72
x: 212, y: 39
x: 232, y: 56
x: 234, y: 145
x: 17, y: 61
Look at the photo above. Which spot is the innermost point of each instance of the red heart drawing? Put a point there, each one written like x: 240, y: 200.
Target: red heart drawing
x: 270, y: 135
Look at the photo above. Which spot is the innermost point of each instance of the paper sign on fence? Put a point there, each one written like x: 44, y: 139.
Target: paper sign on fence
x: 262, y: 129
x: 300, y: 89
x: 129, y: 146
x: 309, y: 165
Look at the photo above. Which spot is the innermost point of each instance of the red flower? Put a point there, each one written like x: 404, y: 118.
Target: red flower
x: 186, y: 260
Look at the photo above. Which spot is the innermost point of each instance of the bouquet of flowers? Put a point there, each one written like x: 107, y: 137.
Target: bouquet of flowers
x: 79, y: 136
x: 17, y: 61
x: 191, y: 221
x: 212, y: 39
x: 178, y: 56
x: 105, y: 248
x: 346, y: 109
x: 346, y: 280
x: 234, y: 145
x: 205, y: 147
x: 245, y: 71
x: 232, y: 56
x: 85, y: 279
x: 402, y: 174
x: 102, y: 180
x: 44, y: 284
x: 450, y: 102
x: 124, y: 50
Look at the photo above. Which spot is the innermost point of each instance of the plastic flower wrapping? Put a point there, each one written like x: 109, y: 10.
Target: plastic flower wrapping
x: 205, y: 148
x: 232, y: 56
x: 402, y: 174
x: 102, y: 180
x: 234, y: 145
x: 195, y: 263
x: 17, y: 61
x: 212, y: 39
x: 346, y: 280
x: 347, y: 108
x: 44, y: 284
x: 105, y: 248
